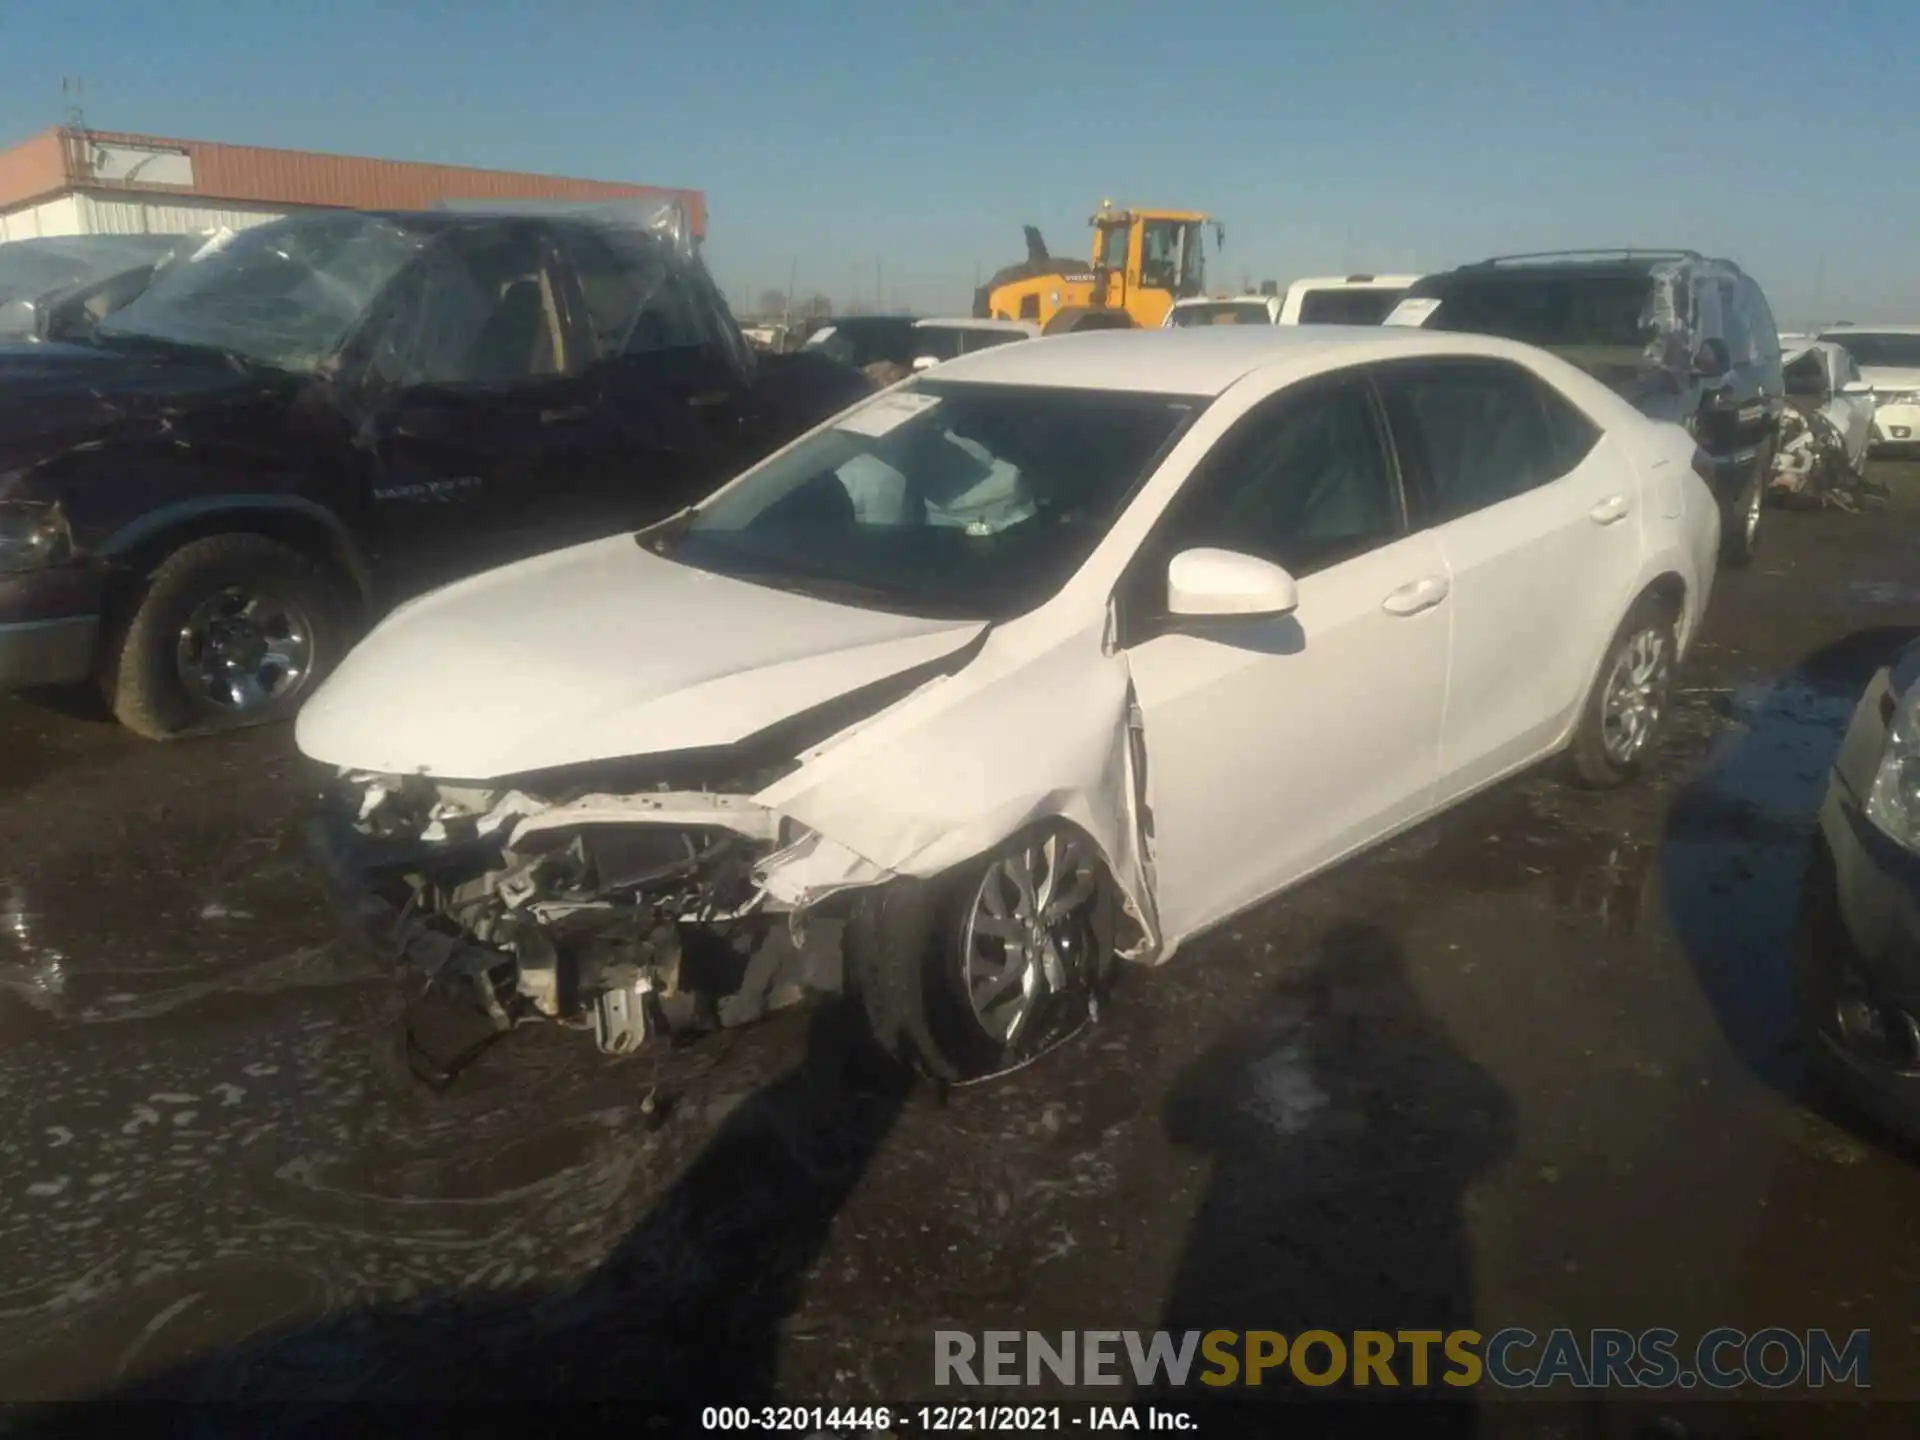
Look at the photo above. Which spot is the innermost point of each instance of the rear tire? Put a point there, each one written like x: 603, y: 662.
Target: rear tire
x: 918, y: 959
x: 1740, y: 524
x: 1620, y: 723
x: 223, y: 598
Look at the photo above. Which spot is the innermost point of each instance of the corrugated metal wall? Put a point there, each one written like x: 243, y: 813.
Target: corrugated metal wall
x: 296, y: 178
x: 112, y: 215
x: 49, y: 217
x: 165, y: 215
x: 33, y: 169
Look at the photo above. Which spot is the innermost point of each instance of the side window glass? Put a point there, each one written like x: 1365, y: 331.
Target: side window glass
x: 668, y: 320
x: 480, y: 313
x: 1766, y: 332
x: 1574, y: 434
x: 1303, y: 482
x: 1482, y: 431
x: 1739, y: 334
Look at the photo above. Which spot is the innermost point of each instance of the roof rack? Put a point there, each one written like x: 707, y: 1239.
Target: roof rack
x: 1602, y: 254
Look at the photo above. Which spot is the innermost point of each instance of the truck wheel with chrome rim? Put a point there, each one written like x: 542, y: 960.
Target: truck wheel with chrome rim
x: 225, y: 632
x: 990, y: 966
x: 1620, y: 723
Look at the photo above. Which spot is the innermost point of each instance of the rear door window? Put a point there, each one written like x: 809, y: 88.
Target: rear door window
x: 1480, y: 432
x: 1348, y: 305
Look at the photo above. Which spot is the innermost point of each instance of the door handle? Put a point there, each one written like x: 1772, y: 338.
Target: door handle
x: 1614, y: 507
x: 565, y: 414
x: 1420, y: 595
x: 707, y: 399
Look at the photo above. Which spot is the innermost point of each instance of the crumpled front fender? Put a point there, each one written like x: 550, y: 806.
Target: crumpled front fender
x: 1023, y: 736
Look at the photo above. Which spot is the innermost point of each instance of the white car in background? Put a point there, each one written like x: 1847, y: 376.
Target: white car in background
x: 938, y: 341
x: 1223, y: 310
x: 1152, y: 628
x: 1343, y: 299
x: 1823, y: 375
x: 1889, y: 360
x: 1325, y: 300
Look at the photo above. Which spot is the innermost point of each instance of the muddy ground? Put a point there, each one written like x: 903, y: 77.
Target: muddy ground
x: 1531, y: 1065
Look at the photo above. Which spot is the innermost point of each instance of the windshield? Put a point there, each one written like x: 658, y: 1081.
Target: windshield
x: 286, y: 293
x: 941, y: 498
x: 1896, y: 351
x: 1226, y: 312
x: 1559, y: 312
x: 32, y: 268
x: 1349, y: 305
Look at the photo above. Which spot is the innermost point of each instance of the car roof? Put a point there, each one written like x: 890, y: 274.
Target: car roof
x: 971, y: 322
x: 1205, y: 360
x: 1838, y: 333
x: 1353, y: 282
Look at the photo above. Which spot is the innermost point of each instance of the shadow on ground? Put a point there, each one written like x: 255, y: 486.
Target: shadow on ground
x: 1345, y: 1128
x: 1738, y: 839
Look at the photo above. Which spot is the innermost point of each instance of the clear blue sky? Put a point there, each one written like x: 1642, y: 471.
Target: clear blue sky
x: 1335, y: 136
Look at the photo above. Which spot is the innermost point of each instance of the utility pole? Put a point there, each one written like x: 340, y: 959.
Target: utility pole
x: 879, y: 286
x: 793, y: 276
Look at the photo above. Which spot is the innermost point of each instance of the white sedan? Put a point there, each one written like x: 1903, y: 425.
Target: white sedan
x: 1061, y: 653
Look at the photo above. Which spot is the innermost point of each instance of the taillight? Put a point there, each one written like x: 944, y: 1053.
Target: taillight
x: 1703, y: 465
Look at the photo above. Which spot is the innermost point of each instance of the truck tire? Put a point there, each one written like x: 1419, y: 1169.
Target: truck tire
x: 1081, y: 317
x: 911, y: 959
x: 238, y: 611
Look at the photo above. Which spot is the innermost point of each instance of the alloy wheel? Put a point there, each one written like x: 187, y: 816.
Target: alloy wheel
x: 1636, y: 694
x: 1027, y: 932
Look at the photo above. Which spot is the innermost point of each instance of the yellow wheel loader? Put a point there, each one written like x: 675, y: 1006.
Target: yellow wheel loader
x: 1143, y: 261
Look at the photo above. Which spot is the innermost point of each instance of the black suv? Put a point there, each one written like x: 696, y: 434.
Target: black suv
x: 1681, y: 336
x: 320, y: 416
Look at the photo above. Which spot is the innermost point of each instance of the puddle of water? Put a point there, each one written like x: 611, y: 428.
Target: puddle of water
x: 1736, y: 850
x: 1597, y: 876
x: 1883, y: 592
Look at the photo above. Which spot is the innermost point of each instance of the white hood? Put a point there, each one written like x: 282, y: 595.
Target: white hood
x: 594, y: 653
x: 1891, y: 378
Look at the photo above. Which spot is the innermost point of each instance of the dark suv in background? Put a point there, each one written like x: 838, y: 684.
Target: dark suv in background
x: 1681, y: 336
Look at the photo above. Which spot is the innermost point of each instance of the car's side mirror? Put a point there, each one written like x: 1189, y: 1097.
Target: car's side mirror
x: 1712, y: 360
x: 1207, y: 582
x: 1856, y: 387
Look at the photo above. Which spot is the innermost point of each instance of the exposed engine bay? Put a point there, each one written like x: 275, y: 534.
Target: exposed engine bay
x: 626, y: 914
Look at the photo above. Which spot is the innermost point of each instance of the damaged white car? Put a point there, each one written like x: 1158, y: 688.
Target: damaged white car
x: 1057, y: 655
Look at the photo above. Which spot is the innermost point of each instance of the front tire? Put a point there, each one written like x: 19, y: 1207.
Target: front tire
x: 226, y: 632
x: 983, y: 969
x: 1620, y: 723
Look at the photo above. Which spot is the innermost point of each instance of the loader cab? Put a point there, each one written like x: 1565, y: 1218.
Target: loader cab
x: 1151, y: 258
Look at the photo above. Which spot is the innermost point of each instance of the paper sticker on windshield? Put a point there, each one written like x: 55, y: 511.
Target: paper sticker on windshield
x: 888, y: 413
x: 1412, y: 311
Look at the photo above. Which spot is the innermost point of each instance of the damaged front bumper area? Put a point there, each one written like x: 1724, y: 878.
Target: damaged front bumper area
x: 627, y: 914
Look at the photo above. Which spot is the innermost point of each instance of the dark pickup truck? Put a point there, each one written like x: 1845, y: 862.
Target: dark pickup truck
x: 316, y: 418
